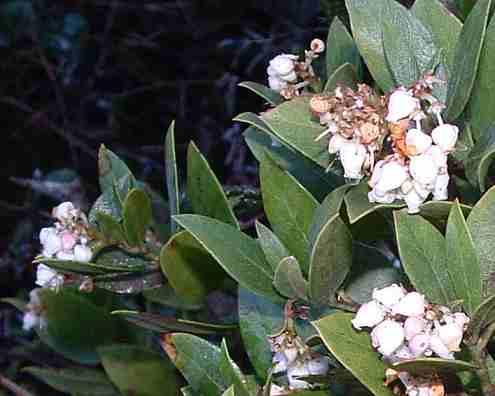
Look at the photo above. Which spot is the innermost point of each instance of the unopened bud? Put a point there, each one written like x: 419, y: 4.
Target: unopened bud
x: 414, y: 326
x: 440, y: 192
x: 445, y: 136
x: 423, y: 169
x: 388, y: 336
x: 413, y: 304
x: 401, y: 104
x: 393, y: 174
x: 419, y: 140
x: 317, y: 46
x: 368, y: 315
x: 352, y: 157
x: 390, y: 295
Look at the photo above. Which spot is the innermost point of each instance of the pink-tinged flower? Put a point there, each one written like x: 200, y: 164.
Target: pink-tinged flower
x: 388, y: 336
x: 439, y: 348
x: 390, y: 295
x: 50, y: 240
x: 419, y: 344
x: 414, y: 326
x: 401, y: 104
x: 413, y: 304
x: 368, y: 315
x: 419, y: 140
x: 68, y: 240
x: 64, y: 211
x: 47, y: 277
x: 451, y: 335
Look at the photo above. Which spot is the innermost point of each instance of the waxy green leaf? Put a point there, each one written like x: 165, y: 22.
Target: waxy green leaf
x: 138, y: 372
x: 467, y: 56
x: 353, y: 349
x: 171, y: 175
x: 273, y: 248
x: 462, y: 261
x: 426, y: 366
x: 480, y: 159
x: 289, y: 208
x: 422, y: 251
x: 289, y: 280
x: 341, y: 48
x: 236, y: 252
x: 205, y: 191
x: 271, y: 96
x: 137, y: 216
x: 344, y: 76
x: 482, y: 317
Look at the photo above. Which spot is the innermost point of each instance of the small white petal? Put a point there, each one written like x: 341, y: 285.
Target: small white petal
x: 69, y: 256
x: 63, y: 211
x: 423, y: 169
x: 51, y: 241
x: 368, y: 315
x: 440, y: 193
x: 388, y: 336
x: 401, y: 104
x: 275, y: 83
x: 298, y: 370
x: 377, y: 173
x: 82, y: 253
x: 45, y: 276
x: 461, y: 319
x: 291, y: 355
x: 282, y: 64
x: 318, y: 365
x: 451, y: 336
x: 352, y: 157
x: 420, y: 140
x: 414, y: 326
x: 393, y: 175
x: 290, y: 77
x: 445, y: 136
x: 439, y: 157
x: 280, y: 362
x: 390, y: 295
x: 387, y: 198
x: 336, y: 142
x: 419, y: 344
x: 413, y: 304
x: 440, y: 349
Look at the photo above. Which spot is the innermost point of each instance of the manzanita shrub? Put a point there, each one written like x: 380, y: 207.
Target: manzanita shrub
x: 375, y: 273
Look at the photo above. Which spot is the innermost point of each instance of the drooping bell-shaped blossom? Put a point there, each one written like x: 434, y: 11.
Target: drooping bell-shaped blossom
x: 401, y: 104
x: 369, y: 315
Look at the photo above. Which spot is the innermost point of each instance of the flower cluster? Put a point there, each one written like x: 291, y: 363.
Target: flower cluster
x: 355, y: 122
x: 66, y: 240
x: 405, y: 326
x: 293, y: 357
x: 418, y: 166
x: 390, y: 138
x: 288, y: 75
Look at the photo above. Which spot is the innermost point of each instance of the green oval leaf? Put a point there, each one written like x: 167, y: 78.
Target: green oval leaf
x: 409, y: 47
x: 482, y: 230
x: 289, y: 208
x: 137, y: 216
x: 353, y: 349
x: 198, y: 361
x: 366, y: 26
x: 341, y: 48
x: 483, y: 316
x: 138, y: 372
x: 232, y: 373
x: 171, y: 175
x: 113, y: 171
x: 236, y: 252
x: 289, y: 280
x: 331, y: 259
x: 110, y: 228
x: 467, y: 56
x: 273, y: 248
x: 422, y: 251
x: 480, y: 158
x: 443, y: 25
x: 462, y: 260
x: 271, y: 96
x: 205, y: 191
x: 190, y: 270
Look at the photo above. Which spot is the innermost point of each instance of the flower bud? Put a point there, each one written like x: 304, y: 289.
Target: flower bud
x: 439, y: 157
x: 290, y: 78
x: 461, y: 319
x: 368, y: 315
x: 393, y: 175
x: 291, y: 354
x: 82, y: 253
x: 275, y: 83
x: 30, y: 320
x: 451, y: 335
x: 386, y: 198
x: 50, y: 240
x: 389, y: 296
x: 377, y: 173
x: 280, y: 362
x: 414, y: 326
x: 336, y: 142
x: 403, y: 353
x: 439, y: 348
x: 413, y: 201
x: 445, y: 136
x: 401, y: 104
x: 282, y: 64
x: 423, y: 169
x: 413, y: 304
x: 352, y: 157
x: 388, y: 336
x: 440, y: 193
x: 64, y: 211
x: 317, y: 46
x: 419, y: 344
x: 298, y: 370
x: 419, y: 140
x: 47, y: 277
